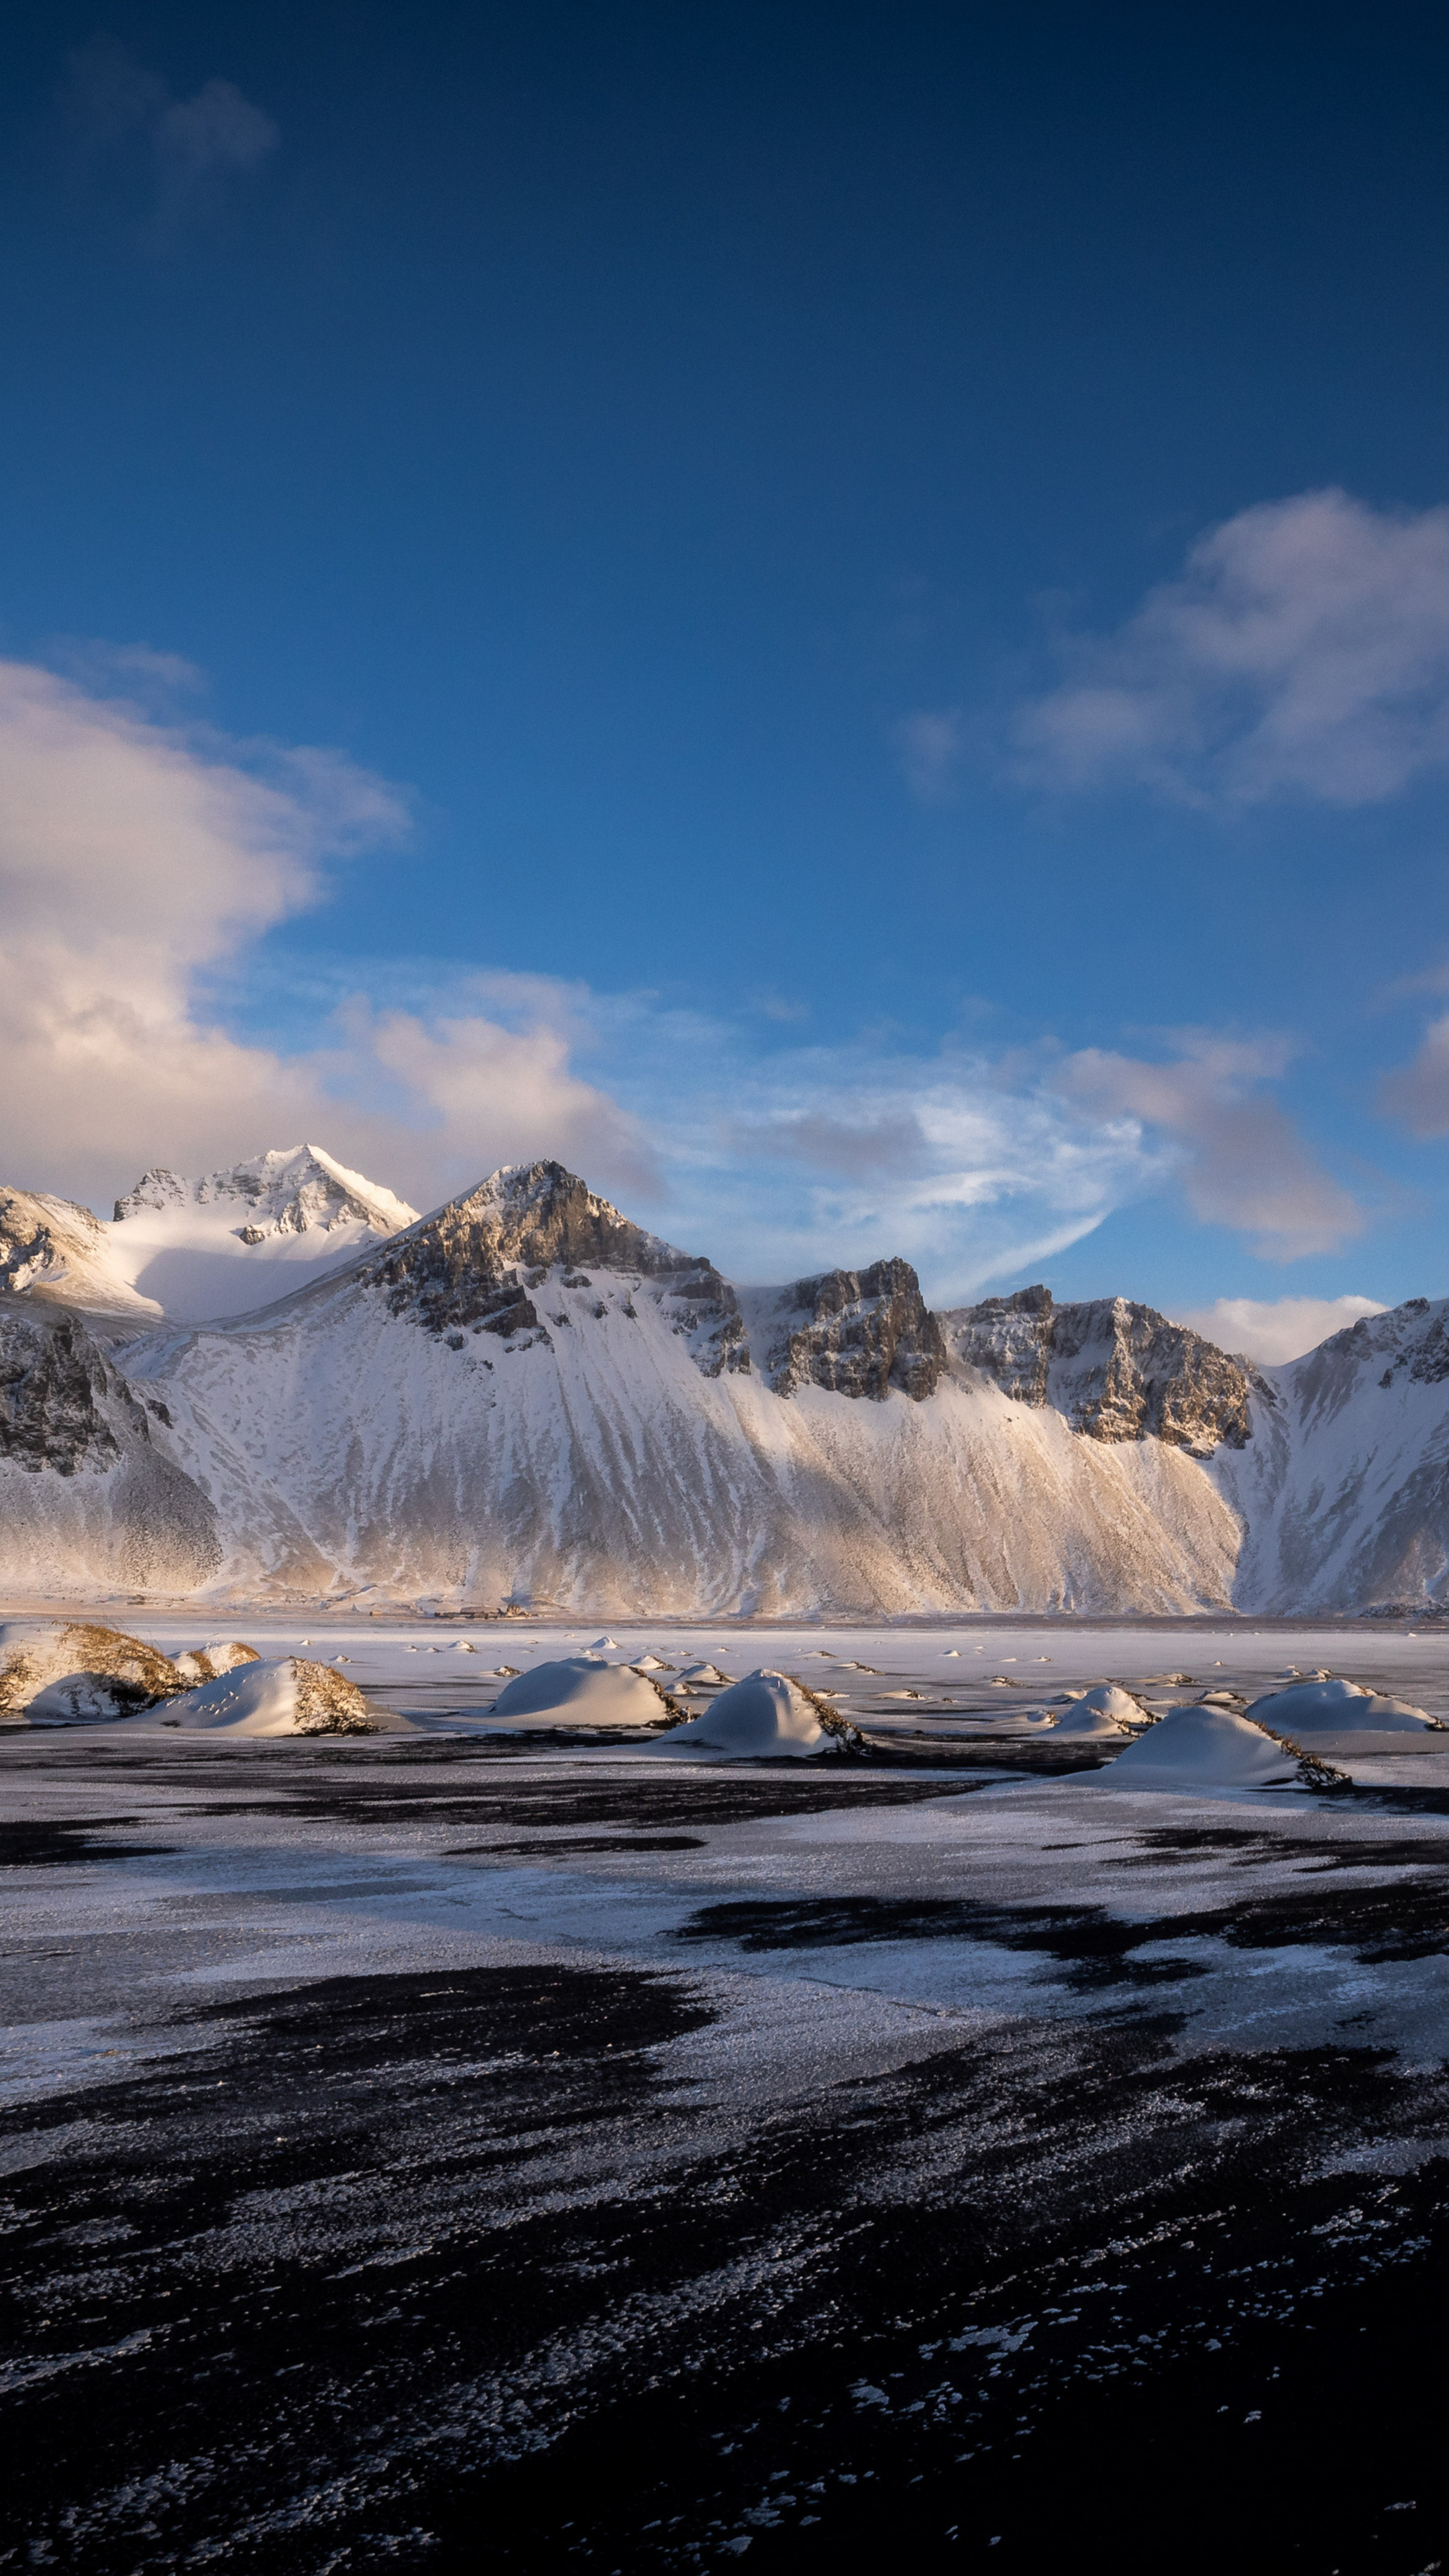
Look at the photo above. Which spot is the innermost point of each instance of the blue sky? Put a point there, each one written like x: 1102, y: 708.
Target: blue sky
x: 839, y: 615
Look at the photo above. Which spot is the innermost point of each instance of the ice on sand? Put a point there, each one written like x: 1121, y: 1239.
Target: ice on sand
x: 1203, y: 1748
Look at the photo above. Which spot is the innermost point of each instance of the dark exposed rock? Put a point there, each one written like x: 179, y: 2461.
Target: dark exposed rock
x: 53, y: 1384
x: 473, y: 1264
x: 857, y: 1332
x: 86, y: 1489
x: 1118, y: 1371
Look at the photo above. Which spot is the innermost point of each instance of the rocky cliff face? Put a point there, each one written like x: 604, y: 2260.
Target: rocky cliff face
x: 1116, y: 1370
x: 536, y: 1232
x: 86, y: 1497
x: 56, y: 1392
x: 55, y: 1251
x: 857, y: 1332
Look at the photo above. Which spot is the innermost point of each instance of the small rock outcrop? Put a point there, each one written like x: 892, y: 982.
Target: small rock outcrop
x: 1118, y: 1371
x: 477, y: 1264
x: 857, y: 1332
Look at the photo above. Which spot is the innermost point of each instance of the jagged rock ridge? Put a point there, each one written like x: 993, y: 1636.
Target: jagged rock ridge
x: 287, y: 1191
x: 527, y: 1399
x: 476, y: 1265
x: 1117, y: 1371
x: 856, y: 1332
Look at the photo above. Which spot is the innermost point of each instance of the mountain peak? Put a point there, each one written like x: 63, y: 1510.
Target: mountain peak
x: 1115, y: 1369
x: 473, y: 1265
x: 287, y: 1190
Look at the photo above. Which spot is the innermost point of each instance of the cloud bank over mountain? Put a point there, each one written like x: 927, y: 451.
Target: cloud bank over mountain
x: 143, y: 864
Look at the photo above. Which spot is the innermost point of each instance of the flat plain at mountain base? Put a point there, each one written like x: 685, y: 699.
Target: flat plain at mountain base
x: 431, y: 2151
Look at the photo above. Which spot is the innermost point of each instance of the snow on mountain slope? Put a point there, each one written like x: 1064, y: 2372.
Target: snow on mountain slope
x: 1344, y: 1486
x: 197, y: 1250
x: 58, y: 1253
x: 528, y: 1398
x: 88, y: 1501
x: 236, y: 1240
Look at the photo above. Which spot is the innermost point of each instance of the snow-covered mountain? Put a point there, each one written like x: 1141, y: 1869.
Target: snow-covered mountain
x: 527, y: 1398
x: 197, y: 1250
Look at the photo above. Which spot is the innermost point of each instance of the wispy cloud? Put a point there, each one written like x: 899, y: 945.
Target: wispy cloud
x: 929, y: 746
x: 1418, y: 1092
x: 185, y: 150
x: 1272, y: 1330
x: 1303, y: 653
x: 1243, y: 1163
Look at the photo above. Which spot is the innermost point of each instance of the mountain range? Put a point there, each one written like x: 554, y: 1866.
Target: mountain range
x: 278, y: 1382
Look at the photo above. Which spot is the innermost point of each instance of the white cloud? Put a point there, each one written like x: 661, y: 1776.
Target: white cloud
x: 140, y: 864
x: 1277, y: 1329
x: 137, y: 861
x: 1303, y: 653
x: 1243, y: 1162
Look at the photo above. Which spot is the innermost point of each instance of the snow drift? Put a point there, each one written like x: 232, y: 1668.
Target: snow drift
x: 203, y: 1663
x: 1204, y: 1748
x: 1334, y: 1716
x: 287, y: 1696
x: 1332, y: 1706
x: 1106, y: 1710
x: 765, y: 1714
x: 581, y: 1690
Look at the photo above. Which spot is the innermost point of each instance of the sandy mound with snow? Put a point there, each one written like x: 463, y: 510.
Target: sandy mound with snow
x: 581, y: 1690
x: 1206, y: 1748
x: 1105, y: 1710
x: 291, y: 1696
x: 62, y: 1671
x: 1308, y: 1710
x: 203, y: 1663
x: 765, y: 1713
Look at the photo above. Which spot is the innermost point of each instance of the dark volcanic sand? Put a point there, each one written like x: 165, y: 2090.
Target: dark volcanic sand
x: 437, y: 2160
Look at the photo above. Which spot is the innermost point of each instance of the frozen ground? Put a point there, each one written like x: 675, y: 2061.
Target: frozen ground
x: 461, y: 2149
